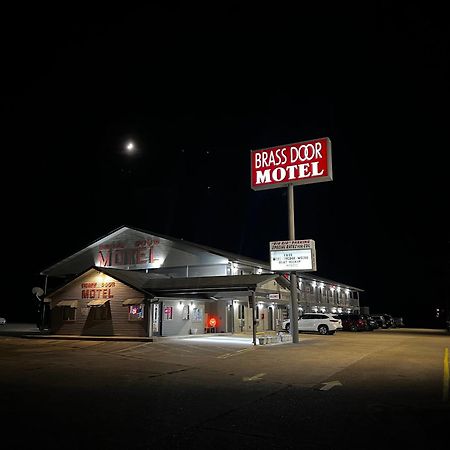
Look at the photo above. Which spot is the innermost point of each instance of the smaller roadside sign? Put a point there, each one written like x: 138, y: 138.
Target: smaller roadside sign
x: 296, y: 255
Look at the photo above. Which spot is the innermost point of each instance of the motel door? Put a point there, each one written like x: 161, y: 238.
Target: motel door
x: 230, y: 319
x: 155, y: 319
x: 270, y: 312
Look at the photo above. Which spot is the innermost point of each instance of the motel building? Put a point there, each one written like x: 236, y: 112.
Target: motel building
x: 142, y: 284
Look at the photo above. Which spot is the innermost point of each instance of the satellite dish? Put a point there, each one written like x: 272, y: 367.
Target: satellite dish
x: 37, y: 291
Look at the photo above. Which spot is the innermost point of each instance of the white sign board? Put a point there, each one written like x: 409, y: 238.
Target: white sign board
x: 299, y: 255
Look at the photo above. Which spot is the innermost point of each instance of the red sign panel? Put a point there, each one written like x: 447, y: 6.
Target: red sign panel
x: 298, y: 163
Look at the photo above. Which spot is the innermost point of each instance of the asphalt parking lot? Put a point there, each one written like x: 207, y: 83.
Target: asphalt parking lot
x: 381, y: 389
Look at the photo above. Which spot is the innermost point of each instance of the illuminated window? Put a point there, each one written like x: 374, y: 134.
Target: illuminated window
x: 136, y: 312
x: 168, y: 313
x: 197, y: 315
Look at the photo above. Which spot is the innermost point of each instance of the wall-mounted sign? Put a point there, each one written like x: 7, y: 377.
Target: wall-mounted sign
x: 298, y: 163
x: 273, y: 296
x: 138, y: 254
x: 298, y: 255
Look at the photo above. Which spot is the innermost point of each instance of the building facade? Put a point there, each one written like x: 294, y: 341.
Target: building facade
x: 137, y: 283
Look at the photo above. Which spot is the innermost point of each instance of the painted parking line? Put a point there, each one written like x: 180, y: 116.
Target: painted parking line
x: 132, y: 348
x: 329, y: 385
x: 238, y: 352
x: 446, y: 380
x: 256, y: 377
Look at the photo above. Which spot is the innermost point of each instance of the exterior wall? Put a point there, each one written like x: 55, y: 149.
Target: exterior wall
x: 117, y: 324
x: 182, y: 319
x: 242, y: 315
x: 267, y: 321
x: 193, y: 271
x: 322, y: 298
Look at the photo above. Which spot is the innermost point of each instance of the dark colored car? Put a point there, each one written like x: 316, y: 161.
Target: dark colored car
x: 384, y: 320
x: 372, y: 324
x: 353, y: 322
x: 379, y: 319
x: 389, y: 320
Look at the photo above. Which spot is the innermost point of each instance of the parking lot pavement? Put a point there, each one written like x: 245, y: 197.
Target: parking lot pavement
x: 186, y: 391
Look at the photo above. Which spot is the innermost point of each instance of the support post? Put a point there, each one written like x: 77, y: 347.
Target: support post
x: 293, y: 275
x: 252, y: 302
x: 150, y: 318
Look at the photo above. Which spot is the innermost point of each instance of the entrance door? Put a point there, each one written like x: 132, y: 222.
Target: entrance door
x: 270, y: 312
x: 230, y: 319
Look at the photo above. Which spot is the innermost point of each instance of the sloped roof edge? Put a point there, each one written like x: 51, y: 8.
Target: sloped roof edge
x: 180, y: 242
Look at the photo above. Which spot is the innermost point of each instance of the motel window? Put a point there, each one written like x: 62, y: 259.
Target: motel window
x: 241, y: 312
x: 136, y: 312
x: 197, y: 315
x: 168, y: 313
x: 101, y: 313
x: 68, y: 313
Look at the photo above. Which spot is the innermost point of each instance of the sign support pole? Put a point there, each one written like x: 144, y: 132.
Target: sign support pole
x: 253, y: 304
x: 293, y: 275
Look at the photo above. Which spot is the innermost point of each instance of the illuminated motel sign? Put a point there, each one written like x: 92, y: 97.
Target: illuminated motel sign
x: 298, y: 163
x: 289, y: 165
x: 297, y: 255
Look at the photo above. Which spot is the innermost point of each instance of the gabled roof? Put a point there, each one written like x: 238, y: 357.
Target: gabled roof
x: 83, y: 257
x: 83, y: 260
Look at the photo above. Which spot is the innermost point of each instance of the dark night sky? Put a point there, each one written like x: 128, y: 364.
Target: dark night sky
x: 197, y: 89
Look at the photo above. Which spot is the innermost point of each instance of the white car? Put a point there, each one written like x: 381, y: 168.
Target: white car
x: 316, y: 322
x: 2, y: 321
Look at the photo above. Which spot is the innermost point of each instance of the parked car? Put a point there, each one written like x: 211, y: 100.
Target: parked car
x: 398, y: 321
x: 389, y: 321
x: 352, y: 322
x: 372, y: 324
x: 316, y: 322
x: 2, y: 321
x: 384, y: 320
x: 379, y: 319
